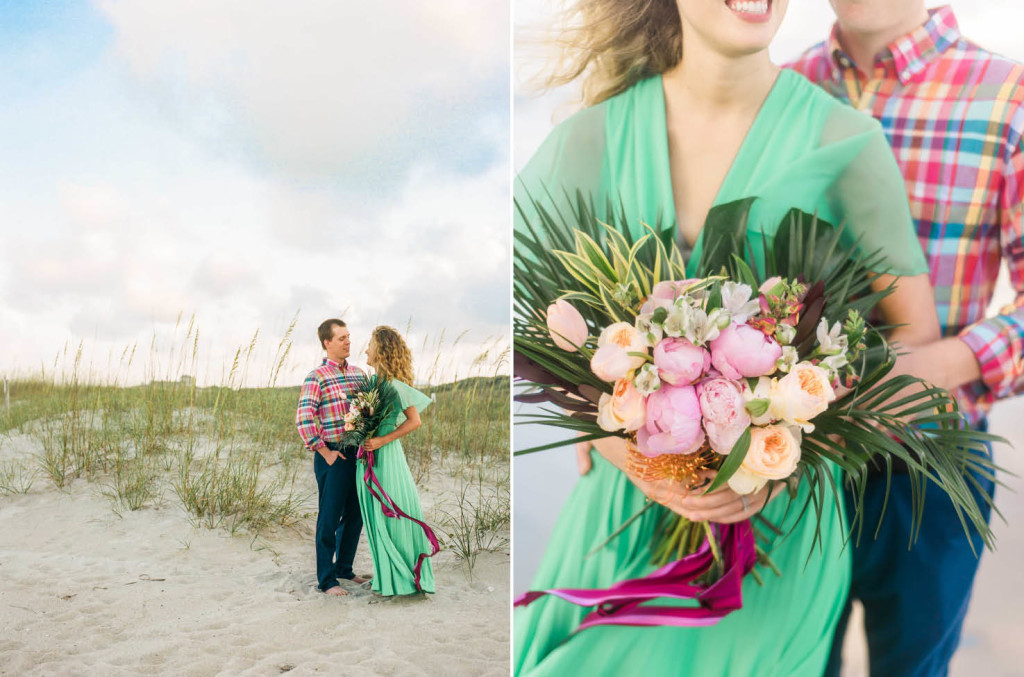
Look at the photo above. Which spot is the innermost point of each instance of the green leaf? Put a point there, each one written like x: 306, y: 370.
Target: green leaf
x: 758, y: 407
x: 732, y: 462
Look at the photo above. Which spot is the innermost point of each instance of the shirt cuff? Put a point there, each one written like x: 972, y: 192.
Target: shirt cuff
x: 314, y: 442
x: 991, y: 342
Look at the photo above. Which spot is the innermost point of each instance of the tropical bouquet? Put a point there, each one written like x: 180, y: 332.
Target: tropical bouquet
x: 369, y: 404
x: 758, y: 365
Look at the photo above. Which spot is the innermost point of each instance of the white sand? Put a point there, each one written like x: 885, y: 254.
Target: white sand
x: 84, y: 592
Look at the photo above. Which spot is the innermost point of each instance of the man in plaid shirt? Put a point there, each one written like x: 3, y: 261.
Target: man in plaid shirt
x: 322, y: 406
x: 954, y: 115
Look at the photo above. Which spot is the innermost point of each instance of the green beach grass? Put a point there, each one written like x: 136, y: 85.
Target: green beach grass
x: 230, y: 456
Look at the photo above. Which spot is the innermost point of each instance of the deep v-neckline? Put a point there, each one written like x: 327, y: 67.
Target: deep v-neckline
x: 728, y: 178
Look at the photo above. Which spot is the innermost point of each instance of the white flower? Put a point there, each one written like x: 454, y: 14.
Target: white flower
x: 832, y: 342
x: 647, y: 380
x: 785, y: 333
x: 651, y: 332
x: 834, y: 363
x: 679, y: 320
x: 701, y: 330
x: 736, y: 299
x: 789, y: 358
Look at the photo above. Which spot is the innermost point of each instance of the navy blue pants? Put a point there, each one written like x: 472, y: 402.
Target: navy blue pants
x: 339, y: 521
x: 915, y: 601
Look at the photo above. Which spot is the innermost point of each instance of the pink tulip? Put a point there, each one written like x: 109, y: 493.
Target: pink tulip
x: 673, y: 422
x: 679, y: 362
x: 742, y: 351
x: 725, y: 415
x: 567, y: 327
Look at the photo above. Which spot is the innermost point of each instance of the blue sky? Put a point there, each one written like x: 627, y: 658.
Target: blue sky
x: 241, y: 162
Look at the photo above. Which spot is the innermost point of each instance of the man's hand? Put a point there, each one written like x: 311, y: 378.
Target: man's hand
x: 330, y: 455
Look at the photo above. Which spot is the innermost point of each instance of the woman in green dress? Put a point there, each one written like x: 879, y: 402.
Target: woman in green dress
x: 686, y: 111
x: 400, y: 546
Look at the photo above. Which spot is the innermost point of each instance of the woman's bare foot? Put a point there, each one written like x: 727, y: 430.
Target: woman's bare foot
x: 361, y: 579
x: 336, y: 591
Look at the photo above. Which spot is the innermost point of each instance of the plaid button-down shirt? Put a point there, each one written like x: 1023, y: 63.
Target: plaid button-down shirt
x: 323, y: 402
x: 954, y: 115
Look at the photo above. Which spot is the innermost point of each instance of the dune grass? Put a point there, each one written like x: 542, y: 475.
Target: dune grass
x: 230, y: 455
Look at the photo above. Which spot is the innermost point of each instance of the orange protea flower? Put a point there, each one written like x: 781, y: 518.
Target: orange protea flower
x: 683, y: 468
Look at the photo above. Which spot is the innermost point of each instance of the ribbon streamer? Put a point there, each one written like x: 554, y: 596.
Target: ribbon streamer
x: 621, y: 603
x: 391, y: 509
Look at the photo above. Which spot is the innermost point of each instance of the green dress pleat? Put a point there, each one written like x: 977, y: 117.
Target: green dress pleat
x: 804, y: 150
x: 395, y: 544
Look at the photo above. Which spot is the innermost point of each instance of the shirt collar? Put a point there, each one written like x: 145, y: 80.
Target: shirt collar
x: 342, y: 366
x: 910, y: 53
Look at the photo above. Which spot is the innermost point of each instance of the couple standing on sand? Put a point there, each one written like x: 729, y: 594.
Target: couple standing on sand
x: 368, y: 484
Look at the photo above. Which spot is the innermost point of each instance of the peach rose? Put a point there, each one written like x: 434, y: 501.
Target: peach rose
x: 801, y: 395
x: 622, y: 410
x: 611, y: 360
x: 773, y: 455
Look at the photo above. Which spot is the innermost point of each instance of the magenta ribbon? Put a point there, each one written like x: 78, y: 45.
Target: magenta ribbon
x: 621, y: 603
x: 391, y: 509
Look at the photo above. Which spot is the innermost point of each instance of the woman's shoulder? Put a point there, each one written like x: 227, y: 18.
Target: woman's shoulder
x: 573, y: 151
x: 841, y: 119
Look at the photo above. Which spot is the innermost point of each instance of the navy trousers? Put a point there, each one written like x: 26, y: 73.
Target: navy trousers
x: 915, y: 601
x: 339, y: 520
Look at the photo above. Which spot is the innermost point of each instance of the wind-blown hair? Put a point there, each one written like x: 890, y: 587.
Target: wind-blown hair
x: 394, y: 359
x: 613, y: 44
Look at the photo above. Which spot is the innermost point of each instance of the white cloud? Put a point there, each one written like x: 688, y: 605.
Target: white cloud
x: 320, y: 88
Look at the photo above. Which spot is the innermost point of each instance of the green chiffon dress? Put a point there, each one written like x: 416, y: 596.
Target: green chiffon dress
x: 803, y: 150
x: 395, y: 544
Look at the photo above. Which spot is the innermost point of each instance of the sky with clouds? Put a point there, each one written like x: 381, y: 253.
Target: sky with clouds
x: 241, y: 162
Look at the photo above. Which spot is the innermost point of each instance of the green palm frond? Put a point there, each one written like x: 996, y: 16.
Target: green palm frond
x: 571, y: 252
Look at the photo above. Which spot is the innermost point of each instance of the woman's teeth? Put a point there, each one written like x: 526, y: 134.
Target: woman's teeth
x: 749, y: 6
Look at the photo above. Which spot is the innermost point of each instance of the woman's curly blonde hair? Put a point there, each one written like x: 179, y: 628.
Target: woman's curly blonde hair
x: 394, y: 359
x: 613, y: 44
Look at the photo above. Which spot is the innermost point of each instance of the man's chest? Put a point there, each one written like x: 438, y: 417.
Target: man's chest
x: 337, y: 389
x: 948, y: 140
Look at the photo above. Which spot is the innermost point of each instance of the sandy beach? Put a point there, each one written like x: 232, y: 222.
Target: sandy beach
x: 86, y: 592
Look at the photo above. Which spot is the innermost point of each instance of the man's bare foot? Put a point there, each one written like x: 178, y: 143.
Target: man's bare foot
x: 336, y: 591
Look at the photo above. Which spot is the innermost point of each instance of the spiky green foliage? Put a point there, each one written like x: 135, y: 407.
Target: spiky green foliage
x: 571, y: 254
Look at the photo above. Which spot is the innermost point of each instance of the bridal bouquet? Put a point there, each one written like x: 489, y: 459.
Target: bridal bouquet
x: 369, y: 404
x: 760, y: 366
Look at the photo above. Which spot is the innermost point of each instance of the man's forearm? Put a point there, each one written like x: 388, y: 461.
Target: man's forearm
x: 948, y: 363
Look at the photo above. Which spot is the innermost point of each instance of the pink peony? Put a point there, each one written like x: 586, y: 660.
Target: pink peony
x: 725, y: 414
x: 673, y: 422
x: 567, y: 327
x: 679, y: 362
x: 664, y: 293
x: 742, y: 351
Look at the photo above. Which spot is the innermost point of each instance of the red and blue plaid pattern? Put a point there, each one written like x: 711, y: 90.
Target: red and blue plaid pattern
x: 323, y: 402
x: 954, y: 115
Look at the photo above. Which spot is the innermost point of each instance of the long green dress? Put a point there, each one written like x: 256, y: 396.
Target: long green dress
x: 395, y: 544
x: 803, y: 150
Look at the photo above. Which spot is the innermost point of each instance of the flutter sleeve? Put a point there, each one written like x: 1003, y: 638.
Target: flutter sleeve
x: 870, y: 194
x: 410, y: 397
x: 567, y: 162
